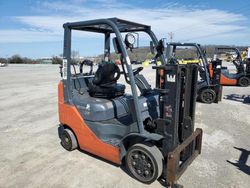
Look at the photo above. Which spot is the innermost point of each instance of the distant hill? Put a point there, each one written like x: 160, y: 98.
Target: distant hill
x: 139, y: 54
x: 211, y: 48
x: 143, y: 53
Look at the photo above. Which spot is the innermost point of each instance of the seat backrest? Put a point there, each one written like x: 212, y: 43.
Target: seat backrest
x: 107, y: 73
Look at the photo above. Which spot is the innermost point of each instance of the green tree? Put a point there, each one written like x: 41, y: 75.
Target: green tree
x: 16, y: 59
x: 56, y: 60
x: 3, y: 60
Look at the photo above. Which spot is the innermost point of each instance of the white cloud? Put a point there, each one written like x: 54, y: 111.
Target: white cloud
x: 25, y: 35
x: 185, y: 22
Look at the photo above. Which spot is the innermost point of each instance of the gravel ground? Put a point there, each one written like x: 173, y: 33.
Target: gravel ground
x: 31, y: 155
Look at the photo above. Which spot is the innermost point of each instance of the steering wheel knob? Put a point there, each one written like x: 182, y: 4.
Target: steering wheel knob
x: 137, y: 70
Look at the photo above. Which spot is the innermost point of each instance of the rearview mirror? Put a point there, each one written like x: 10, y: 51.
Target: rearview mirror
x: 116, y: 45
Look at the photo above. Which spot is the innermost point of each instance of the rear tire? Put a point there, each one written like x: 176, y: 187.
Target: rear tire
x: 207, y: 96
x: 68, y: 140
x: 144, y: 162
x: 244, y: 81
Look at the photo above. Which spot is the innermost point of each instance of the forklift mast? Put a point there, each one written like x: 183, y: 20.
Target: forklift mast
x: 215, y: 76
x: 248, y: 52
x: 247, y: 62
x: 171, y: 50
x: 177, y: 102
x: 215, y: 71
x: 177, y: 97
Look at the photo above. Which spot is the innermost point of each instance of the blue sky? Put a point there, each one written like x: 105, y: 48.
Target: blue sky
x: 33, y: 28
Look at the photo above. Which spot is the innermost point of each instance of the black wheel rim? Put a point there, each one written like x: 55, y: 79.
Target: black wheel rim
x: 244, y: 82
x: 208, y: 97
x: 66, y: 141
x: 141, y: 165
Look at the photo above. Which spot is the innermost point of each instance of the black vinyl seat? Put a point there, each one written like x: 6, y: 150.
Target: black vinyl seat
x: 229, y: 75
x: 104, y: 84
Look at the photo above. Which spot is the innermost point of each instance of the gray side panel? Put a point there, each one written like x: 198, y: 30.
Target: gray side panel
x: 149, y: 106
x: 112, y: 127
x: 97, y: 109
x: 112, y: 132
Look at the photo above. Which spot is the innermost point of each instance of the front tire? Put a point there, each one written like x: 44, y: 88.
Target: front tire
x: 68, y: 140
x: 207, y: 96
x: 244, y: 81
x: 144, y: 162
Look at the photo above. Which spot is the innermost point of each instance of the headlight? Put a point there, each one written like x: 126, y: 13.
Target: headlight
x: 129, y: 40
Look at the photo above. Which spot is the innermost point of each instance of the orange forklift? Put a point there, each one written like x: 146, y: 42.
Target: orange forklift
x: 242, y: 75
x: 151, y: 132
x: 209, y: 89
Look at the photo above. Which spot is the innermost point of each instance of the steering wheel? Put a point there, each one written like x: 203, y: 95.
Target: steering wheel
x: 172, y: 60
x: 106, y: 73
x: 137, y: 70
x: 88, y: 63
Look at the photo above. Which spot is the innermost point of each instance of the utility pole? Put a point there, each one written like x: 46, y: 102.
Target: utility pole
x: 171, y: 36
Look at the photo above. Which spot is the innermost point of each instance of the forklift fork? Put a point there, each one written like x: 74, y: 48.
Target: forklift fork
x: 174, y: 168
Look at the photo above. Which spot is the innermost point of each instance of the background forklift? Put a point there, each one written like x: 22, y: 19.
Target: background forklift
x: 209, y: 89
x: 152, y: 133
x: 242, y: 75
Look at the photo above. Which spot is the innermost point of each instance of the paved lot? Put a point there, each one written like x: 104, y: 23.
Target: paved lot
x: 31, y: 156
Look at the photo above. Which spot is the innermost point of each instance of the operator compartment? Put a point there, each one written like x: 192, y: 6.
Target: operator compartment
x: 106, y: 108
x: 110, y: 118
x: 99, y: 97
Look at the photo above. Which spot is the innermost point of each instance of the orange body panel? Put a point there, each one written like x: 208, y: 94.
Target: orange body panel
x: 227, y: 81
x: 87, y: 140
x: 161, y: 78
x: 223, y: 79
x: 210, y: 69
